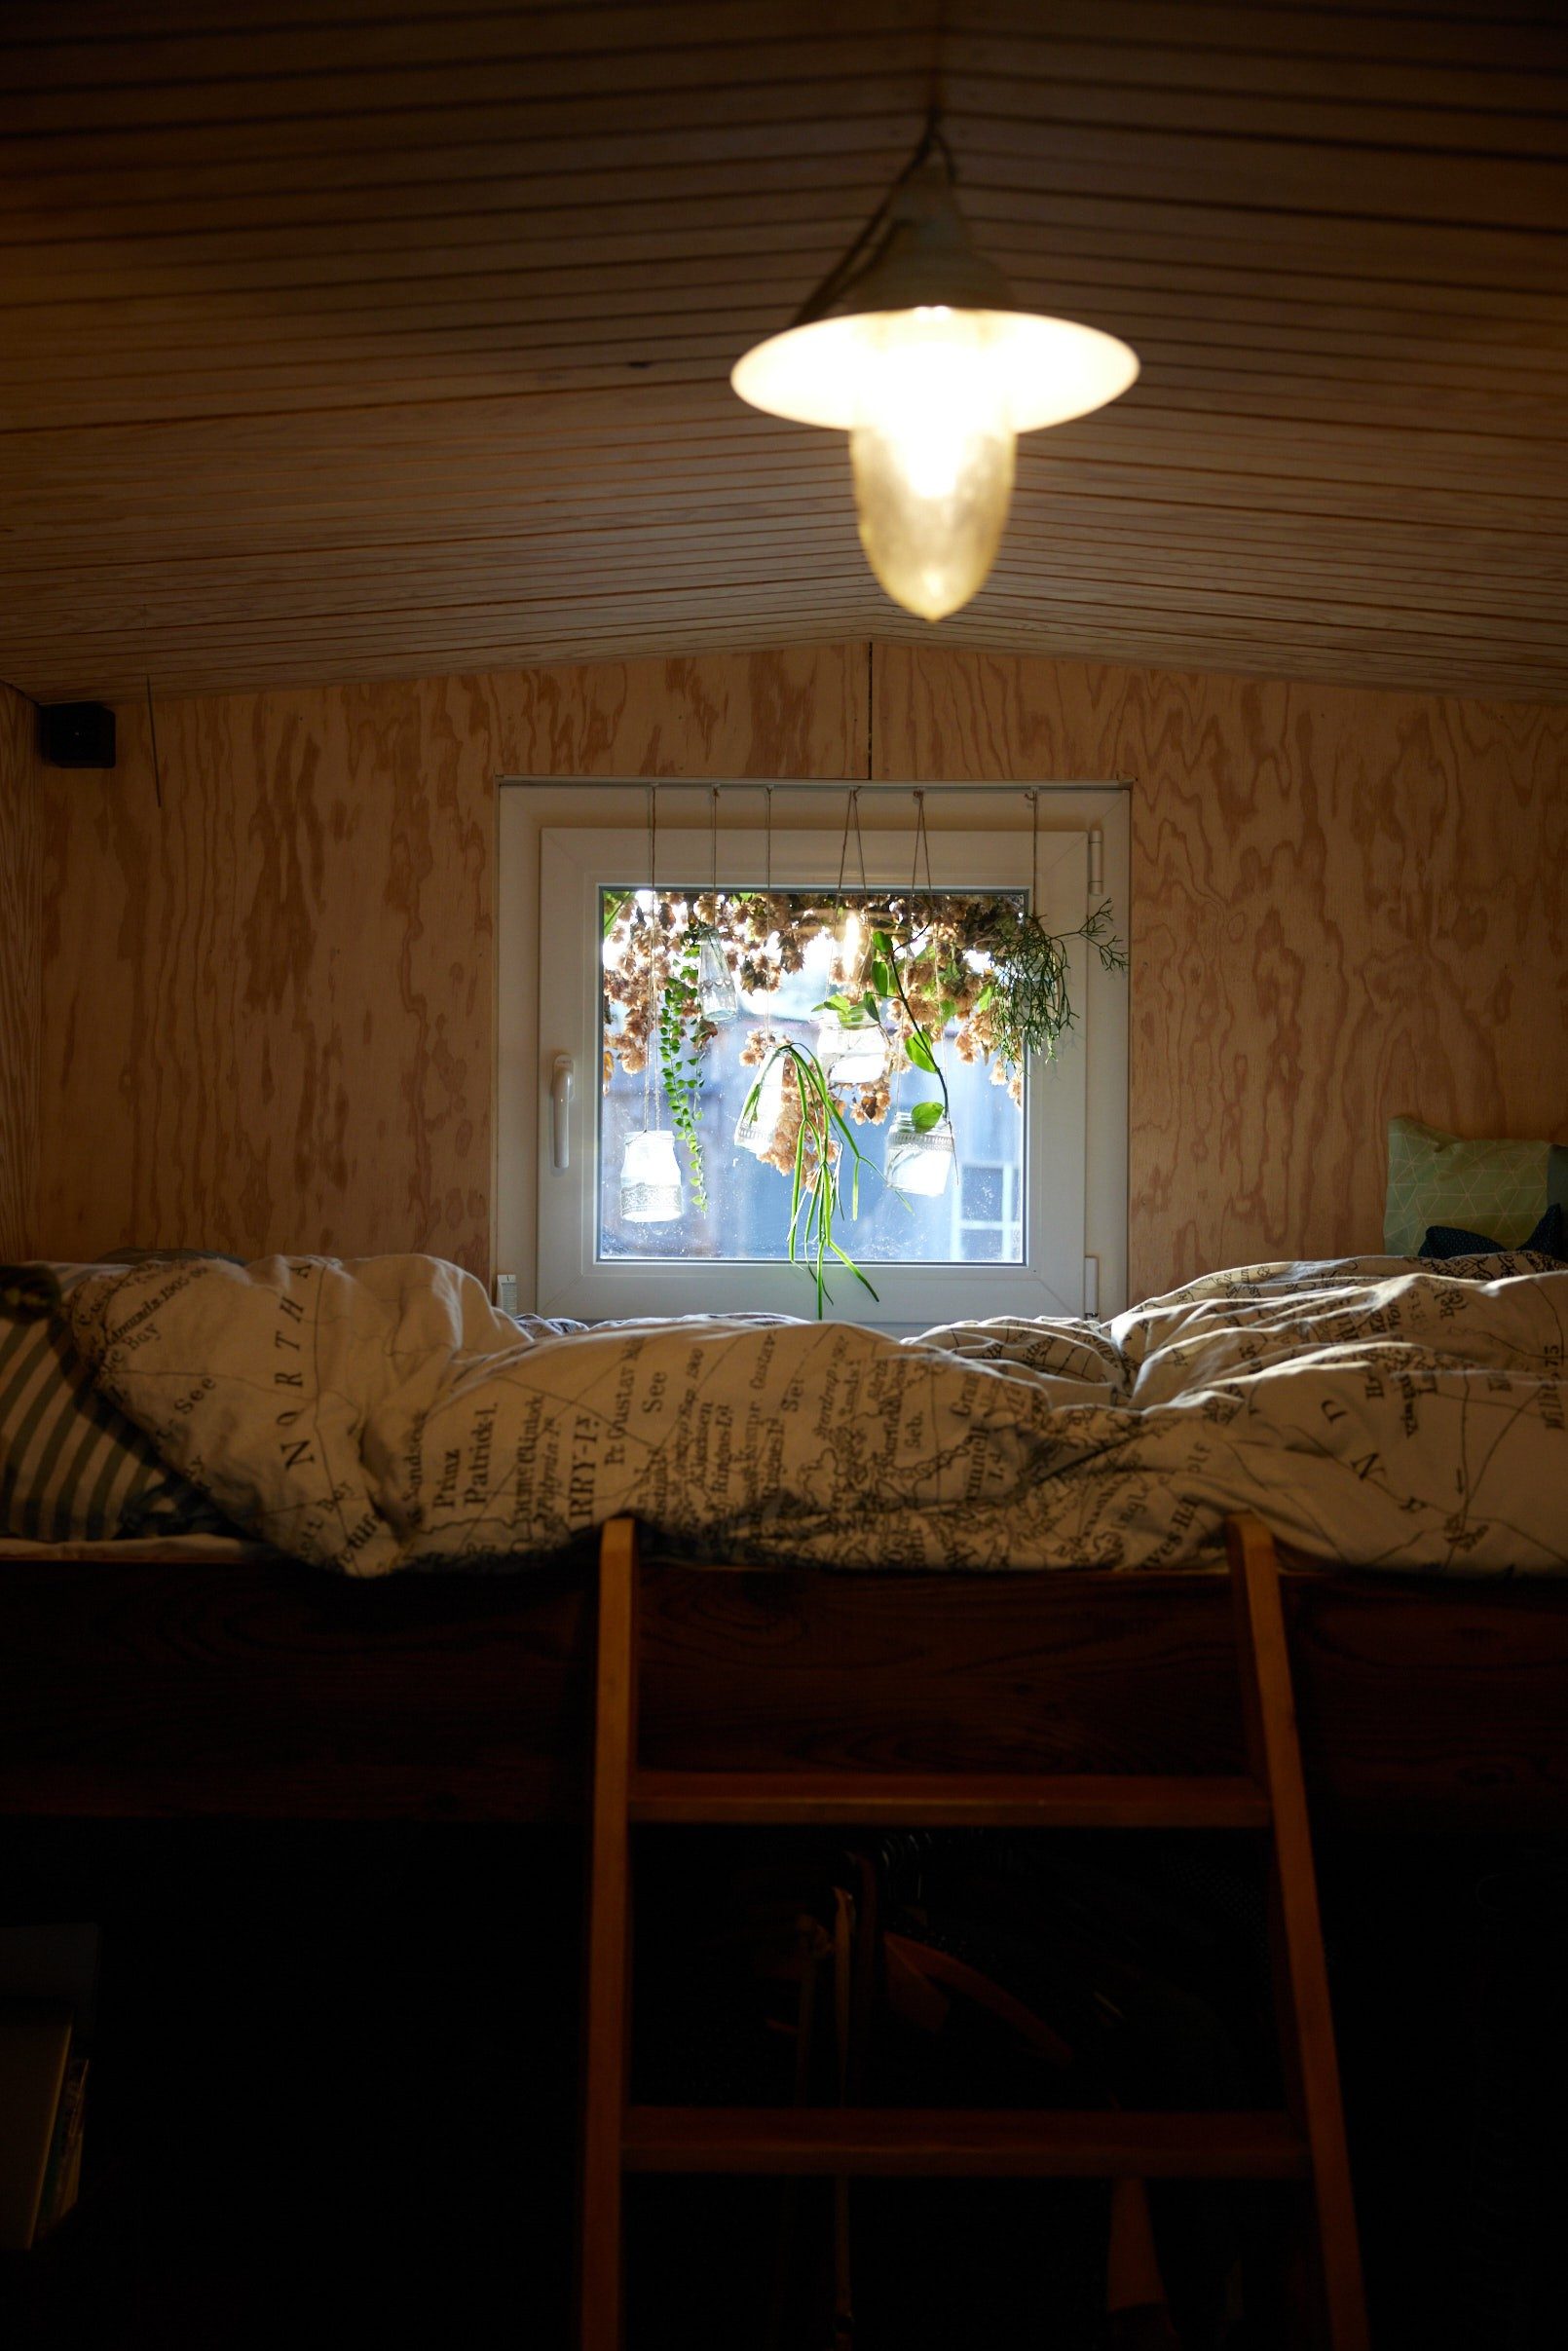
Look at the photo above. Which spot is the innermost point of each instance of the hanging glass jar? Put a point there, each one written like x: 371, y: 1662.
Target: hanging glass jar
x: 853, y: 954
x: 759, y: 1122
x: 650, y: 1178
x: 853, y: 1053
x: 718, y: 998
x: 920, y: 1161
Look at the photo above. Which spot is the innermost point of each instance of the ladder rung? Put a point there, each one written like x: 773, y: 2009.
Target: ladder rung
x: 944, y: 1800
x: 908, y: 2141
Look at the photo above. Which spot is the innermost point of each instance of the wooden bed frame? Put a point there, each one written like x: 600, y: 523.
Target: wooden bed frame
x: 163, y: 1685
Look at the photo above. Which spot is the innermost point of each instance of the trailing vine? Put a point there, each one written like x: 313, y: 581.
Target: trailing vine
x: 1027, y: 996
x: 683, y: 1036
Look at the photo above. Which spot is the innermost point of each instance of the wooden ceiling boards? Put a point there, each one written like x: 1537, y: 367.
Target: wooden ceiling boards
x: 382, y: 338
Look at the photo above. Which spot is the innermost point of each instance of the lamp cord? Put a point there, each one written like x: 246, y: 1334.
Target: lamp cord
x: 845, y: 270
x: 922, y: 843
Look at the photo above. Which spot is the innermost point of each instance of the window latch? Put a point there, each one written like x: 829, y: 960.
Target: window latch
x: 561, y: 1078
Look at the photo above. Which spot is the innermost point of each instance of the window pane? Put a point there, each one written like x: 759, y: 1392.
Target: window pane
x: 651, y: 1208
x: 981, y: 1193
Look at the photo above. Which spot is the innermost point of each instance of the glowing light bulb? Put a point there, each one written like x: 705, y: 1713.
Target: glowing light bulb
x: 932, y: 461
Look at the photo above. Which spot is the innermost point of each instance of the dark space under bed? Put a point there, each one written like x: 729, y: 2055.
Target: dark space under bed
x: 330, y: 1830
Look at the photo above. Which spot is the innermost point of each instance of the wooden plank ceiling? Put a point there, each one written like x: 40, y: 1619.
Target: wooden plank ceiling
x: 384, y: 338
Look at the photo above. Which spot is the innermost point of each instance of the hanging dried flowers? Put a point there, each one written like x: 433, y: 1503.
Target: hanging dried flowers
x: 976, y: 970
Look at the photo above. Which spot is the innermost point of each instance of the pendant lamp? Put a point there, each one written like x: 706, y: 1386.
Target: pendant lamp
x: 918, y: 348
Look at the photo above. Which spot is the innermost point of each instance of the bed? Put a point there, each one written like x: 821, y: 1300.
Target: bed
x: 191, y: 1679
x: 197, y: 1674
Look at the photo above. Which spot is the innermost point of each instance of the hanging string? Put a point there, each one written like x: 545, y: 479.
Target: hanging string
x: 851, y: 816
x: 652, y: 939
x: 767, y: 840
x: 713, y: 845
x: 922, y: 844
x: 1034, y: 800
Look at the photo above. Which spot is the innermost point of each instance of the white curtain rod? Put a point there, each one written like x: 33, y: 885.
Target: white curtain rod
x: 837, y: 787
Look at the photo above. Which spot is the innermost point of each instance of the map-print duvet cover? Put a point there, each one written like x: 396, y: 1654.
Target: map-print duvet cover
x: 379, y: 1413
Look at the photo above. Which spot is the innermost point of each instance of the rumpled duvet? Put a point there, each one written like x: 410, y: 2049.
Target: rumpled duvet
x: 379, y: 1413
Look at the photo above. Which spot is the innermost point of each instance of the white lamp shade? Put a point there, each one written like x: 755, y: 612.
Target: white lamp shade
x: 1018, y: 368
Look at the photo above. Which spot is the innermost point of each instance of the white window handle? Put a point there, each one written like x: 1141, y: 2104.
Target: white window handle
x: 560, y: 1112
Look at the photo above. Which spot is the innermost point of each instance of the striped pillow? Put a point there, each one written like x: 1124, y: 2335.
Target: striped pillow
x: 72, y: 1466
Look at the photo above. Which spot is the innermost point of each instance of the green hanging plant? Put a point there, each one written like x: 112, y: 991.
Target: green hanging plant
x: 816, y: 1156
x: 917, y: 1044
x: 682, y: 1035
x: 1030, y: 1009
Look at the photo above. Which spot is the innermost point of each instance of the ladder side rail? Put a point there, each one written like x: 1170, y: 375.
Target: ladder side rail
x: 1312, y: 2080
x: 608, y: 2015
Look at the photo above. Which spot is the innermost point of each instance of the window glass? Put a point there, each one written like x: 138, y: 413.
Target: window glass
x: 700, y: 1117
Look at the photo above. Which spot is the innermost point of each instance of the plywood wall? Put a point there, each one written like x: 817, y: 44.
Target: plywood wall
x: 269, y: 1005
x: 1345, y: 905
x: 20, y: 973
x: 269, y: 996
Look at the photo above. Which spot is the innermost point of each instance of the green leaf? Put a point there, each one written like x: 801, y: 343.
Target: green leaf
x: 924, y: 1116
x: 881, y: 976
x: 920, y: 1052
x: 844, y: 1256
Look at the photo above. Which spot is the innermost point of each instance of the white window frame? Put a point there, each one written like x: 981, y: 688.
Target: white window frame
x: 553, y: 1255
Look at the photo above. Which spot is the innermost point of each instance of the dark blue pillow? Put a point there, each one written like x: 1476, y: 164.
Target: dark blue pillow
x: 1450, y: 1241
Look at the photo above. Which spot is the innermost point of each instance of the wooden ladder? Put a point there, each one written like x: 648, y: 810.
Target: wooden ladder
x: 1305, y: 2143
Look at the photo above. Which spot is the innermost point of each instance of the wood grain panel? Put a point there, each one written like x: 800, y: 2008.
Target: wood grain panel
x: 20, y: 976
x: 141, y: 1688
x: 380, y: 343
x: 268, y: 1016
x: 1346, y: 904
x: 269, y: 1001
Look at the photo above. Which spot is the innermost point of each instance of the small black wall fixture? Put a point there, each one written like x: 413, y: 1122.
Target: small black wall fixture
x: 76, y: 734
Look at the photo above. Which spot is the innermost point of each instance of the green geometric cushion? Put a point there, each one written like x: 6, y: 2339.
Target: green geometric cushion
x: 1501, y: 1188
